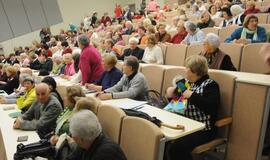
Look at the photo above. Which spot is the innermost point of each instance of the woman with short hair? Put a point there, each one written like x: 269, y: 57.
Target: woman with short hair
x: 110, y: 76
x: 249, y: 33
x: 205, y: 20
x: 215, y: 57
x: 203, y: 100
x: 12, y: 80
x: 227, y: 15
x: 195, y: 35
x: 152, y: 53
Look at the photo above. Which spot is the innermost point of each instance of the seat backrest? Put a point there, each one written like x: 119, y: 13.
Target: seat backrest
x: 110, y: 119
x: 176, y: 55
x: 234, y: 51
x: 218, y: 21
x: 210, y: 30
x: 119, y: 65
x: 262, y: 17
x: 226, y: 32
x: 154, y: 76
x: 164, y: 49
x: 140, y: 139
x: 226, y: 86
x: 265, y: 26
x: 169, y: 75
x: 251, y: 60
x: 194, y: 49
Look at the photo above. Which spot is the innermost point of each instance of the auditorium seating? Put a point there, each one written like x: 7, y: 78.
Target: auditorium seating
x: 234, y: 51
x: 176, y: 55
x: 140, y: 139
x: 110, y: 119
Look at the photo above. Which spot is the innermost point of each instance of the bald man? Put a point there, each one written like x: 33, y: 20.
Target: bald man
x: 42, y: 114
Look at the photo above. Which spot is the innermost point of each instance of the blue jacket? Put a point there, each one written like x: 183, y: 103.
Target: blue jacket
x: 109, y: 78
x: 237, y: 35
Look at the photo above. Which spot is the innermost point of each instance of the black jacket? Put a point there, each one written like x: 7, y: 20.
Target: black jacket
x: 137, y: 52
x: 101, y: 149
x: 12, y: 83
x: 48, y: 65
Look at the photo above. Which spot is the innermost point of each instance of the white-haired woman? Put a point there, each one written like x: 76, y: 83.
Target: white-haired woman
x: 203, y: 101
x: 238, y: 14
x: 195, y: 35
x: 215, y: 57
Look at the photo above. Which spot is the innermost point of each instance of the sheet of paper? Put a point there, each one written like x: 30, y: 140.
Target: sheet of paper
x: 124, y: 103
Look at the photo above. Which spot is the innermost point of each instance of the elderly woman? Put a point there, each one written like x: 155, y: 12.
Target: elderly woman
x: 12, y: 80
x: 195, y: 35
x: 132, y: 85
x: 181, y: 33
x: 215, y: 57
x: 23, y: 99
x: 162, y: 35
x: 152, y: 53
x: 227, y: 15
x: 203, y: 101
x: 205, y: 20
x: 133, y: 50
x: 90, y: 61
x: 62, y: 124
x: 238, y: 14
x: 110, y: 76
x: 86, y: 131
x: 57, y: 63
x: 68, y: 69
x: 249, y: 33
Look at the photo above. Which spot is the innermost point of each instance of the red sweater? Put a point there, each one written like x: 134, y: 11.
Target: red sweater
x: 90, y: 65
x: 179, y: 37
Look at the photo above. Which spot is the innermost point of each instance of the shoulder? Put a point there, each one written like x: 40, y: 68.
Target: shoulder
x: 260, y: 28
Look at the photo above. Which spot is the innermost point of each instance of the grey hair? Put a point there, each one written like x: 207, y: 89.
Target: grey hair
x: 83, y: 40
x: 236, y: 9
x: 85, y: 125
x: 213, y: 40
x: 190, y: 25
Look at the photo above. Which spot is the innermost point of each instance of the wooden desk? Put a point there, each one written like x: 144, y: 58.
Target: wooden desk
x: 8, y: 137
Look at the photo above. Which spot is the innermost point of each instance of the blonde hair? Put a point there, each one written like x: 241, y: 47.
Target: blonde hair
x: 151, y: 39
x: 12, y: 70
x: 110, y: 60
x: 197, y: 64
x: 88, y: 103
x: 73, y: 92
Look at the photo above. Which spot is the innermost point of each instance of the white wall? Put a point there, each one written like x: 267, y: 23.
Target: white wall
x: 72, y: 11
x: 138, y: 2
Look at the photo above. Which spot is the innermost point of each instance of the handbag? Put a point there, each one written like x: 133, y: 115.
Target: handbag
x: 154, y: 98
x: 42, y: 148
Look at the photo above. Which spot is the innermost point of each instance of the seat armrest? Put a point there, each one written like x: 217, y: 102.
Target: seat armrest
x: 223, y: 122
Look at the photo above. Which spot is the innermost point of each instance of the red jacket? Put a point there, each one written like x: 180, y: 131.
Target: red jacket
x: 252, y: 11
x: 106, y: 19
x: 90, y: 65
x: 179, y: 37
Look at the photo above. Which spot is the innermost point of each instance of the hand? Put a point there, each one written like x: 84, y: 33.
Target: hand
x: 54, y: 139
x: 187, y: 94
x: 3, y: 100
x: 17, y: 123
x: 2, y: 82
x: 105, y: 96
x: 94, y: 87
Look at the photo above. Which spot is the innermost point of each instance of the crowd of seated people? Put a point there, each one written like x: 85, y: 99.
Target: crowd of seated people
x: 87, y: 55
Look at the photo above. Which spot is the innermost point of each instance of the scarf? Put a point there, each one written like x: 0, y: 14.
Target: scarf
x: 246, y: 31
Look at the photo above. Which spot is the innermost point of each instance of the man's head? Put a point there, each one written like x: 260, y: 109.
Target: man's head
x: 43, y: 93
x: 131, y: 65
x: 84, y: 128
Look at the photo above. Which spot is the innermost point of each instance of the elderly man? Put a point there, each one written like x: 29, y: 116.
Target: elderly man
x: 129, y: 28
x: 133, y: 50
x: 91, y: 143
x: 132, y: 85
x: 42, y: 114
x: 90, y: 61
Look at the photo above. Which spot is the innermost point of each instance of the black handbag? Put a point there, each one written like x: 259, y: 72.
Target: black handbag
x: 42, y: 148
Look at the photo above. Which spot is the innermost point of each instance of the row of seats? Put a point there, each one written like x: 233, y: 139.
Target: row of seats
x: 122, y: 129
x: 245, y: 58
x: 130, y: 133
